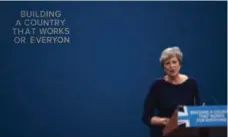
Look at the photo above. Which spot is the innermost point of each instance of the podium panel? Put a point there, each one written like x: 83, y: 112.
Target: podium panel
x: 202, y: 116
x: 203, y: 121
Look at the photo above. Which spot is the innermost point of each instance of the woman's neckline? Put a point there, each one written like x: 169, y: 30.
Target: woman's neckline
x: 179, y: 84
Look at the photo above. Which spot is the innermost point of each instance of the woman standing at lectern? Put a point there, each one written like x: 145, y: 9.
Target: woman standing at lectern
x: 168, y: 92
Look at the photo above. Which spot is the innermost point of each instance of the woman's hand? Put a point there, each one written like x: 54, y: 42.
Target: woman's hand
x: 159, y: 120
x: 164, y: 121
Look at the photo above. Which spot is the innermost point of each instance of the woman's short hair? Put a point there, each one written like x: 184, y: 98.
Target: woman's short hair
x: 171, y: 52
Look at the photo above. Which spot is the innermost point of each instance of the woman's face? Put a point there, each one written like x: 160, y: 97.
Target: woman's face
x: 172, y: 66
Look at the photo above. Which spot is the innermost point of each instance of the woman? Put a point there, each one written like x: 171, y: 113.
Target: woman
x: 168, y: 92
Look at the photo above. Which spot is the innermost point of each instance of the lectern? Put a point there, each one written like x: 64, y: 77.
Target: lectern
x: 202, y: 121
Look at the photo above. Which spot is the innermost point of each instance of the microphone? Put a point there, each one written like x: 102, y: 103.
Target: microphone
x: 215, y: 100
x: 194, y: 100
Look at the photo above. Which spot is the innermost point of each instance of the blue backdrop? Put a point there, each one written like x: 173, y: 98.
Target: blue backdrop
x: 95, y: 86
